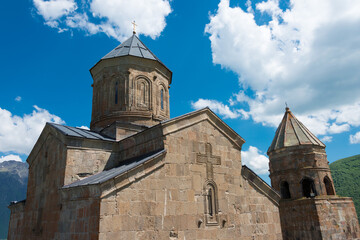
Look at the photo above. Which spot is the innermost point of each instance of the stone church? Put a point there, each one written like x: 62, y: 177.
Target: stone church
x: 137, y: 174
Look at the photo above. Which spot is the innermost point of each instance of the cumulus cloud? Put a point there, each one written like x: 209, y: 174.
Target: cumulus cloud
x: 355, y: 138
x: 19, y: 134
x: 255, y: 160
x: 307, y: 56
x: 112, y: 17
x: 10, y: 157
x: 54, y: 9
x: 215, y: 106
x: 18, y: 99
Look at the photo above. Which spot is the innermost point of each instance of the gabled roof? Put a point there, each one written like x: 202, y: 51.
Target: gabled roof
x: 80, y: 132
x: 189, y: 119
x: 291, y: 132
x: 114, y: 172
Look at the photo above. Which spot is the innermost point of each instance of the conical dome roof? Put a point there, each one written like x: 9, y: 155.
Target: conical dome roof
x: 133, y: 46
x: 291, y: 132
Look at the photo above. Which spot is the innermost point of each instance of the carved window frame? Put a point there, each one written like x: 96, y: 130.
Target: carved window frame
x: 211, y: 203
x: 145, y: 95
x: 163, y: 101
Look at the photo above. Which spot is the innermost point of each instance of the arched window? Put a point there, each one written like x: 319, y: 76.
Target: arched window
x: 285, y: 191
x: 308, y: 187
x: 162, y: 99
x: 211, y: 204
x: 328, y: 186
x: 116, y: 92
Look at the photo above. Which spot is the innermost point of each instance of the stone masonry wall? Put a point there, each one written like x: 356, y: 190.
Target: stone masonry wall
x: 83, y: 162
x: 79, y: 220
x: 43, y: 204
x: 169, y: 203
x: 319, y: 218
x: 338, y: 218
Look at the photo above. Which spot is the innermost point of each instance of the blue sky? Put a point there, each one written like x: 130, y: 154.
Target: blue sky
x: 243, y: 59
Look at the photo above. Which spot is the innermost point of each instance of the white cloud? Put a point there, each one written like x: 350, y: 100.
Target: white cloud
x: 307, y: 56
x: 19, y: 134
x: 18, y: 99
x: 10, y: 157
x: 54, y: 9
x: 355, y: 138
x: 255, y: 160
x: 326, y: 139
x: 112, y: 17
x: 215, y: 106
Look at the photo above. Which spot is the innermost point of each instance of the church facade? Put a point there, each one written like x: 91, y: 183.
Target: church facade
x: 137, y: 174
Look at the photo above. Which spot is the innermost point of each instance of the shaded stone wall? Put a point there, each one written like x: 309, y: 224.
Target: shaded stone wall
x: 43, y: 203
x: 319, y: 218
x: 16, y: 223
x: 170, y: 202
x: 79, y: 220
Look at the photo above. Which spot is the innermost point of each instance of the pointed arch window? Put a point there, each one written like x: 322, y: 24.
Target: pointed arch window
x: 328, y: 186
x: 285, y: 190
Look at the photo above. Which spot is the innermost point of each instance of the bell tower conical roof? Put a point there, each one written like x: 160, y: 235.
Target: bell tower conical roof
x: 291, y: 132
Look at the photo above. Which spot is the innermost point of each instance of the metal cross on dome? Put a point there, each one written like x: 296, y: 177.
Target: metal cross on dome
x: 134, y: 27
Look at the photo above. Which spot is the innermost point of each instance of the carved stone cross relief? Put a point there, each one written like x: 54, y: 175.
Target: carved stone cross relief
x: 209, y: 160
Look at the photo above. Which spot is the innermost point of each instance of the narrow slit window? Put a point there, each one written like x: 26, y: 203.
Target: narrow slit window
x: 116, y: 93
x: 210, y: 202
x: 162, y: 98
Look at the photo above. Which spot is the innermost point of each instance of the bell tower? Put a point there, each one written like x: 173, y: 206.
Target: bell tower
x: 309, y: 207
x: 130, y: 90
x: 298, y: 161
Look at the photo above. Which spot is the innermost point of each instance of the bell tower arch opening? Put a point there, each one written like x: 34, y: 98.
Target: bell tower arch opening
x: 285, y: 190
x: 308, y: 187
x: 328, y: 186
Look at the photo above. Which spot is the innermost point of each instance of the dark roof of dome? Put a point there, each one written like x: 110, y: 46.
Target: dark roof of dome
x: 291, y: 132
x: 132, y: 47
